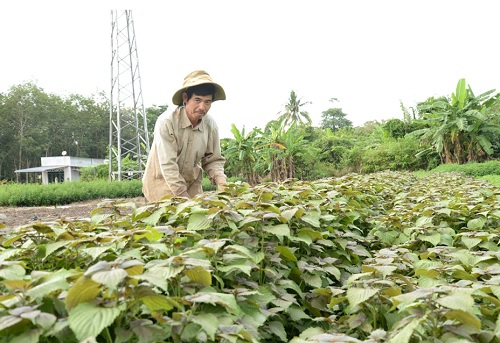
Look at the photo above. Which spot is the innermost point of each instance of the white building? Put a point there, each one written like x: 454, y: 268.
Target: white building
x: 62, y: 168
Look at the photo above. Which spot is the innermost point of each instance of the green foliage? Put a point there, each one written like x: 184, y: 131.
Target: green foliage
x: 460, y: 129
x: 493, y: 179
x: 398, y: 154
x: 99, y: 172
x: 241, y: 154
x: 207, y: 186
x: 334, y: 119
x: 385, y: 257
x: 34, y: 123
x: 472, y: 169
x: 66, y: 192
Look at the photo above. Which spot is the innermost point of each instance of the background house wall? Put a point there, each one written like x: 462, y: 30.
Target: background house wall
x: 62, y: 168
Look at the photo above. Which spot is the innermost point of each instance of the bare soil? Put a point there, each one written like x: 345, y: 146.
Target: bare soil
x: 14, y: 217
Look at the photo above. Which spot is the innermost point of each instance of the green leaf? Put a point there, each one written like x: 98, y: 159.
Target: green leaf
x: 334, y: 271
x: 8, y: 321
x: 359, y: 250
x: 189, y: 332
x: 470, y: 242
x: 313, y: 280
x: 168, y: 272
x: 83, y: 290
x: 245, y: 268
x: 50, y: 283
x: 45, y: 320
x: 313, y: 234
x: 157, y: 302
x: 495, y: 289
x: 424, y: 221
x: 309, y: 333
x: 288, y: 214
x: 93, y: 252
x: 312, y: 218
x: 110, y: 278
x: 464, y: 317
x: 88, y: 320
x: 199, y: 222
x: 406, y: 299
x: 199, y: 275
x: 458, y: 300
x: 29, y: 336
x: 280, y: 230
x: 161, y: 247
x: 433, y: 238
x: 213, y: 245
x: 226, y: 300
x: 286, y: 253
x: 51, y: 247
x: 151, y: 235
x: 461, y: 94
x: 357, y: 296
x: 476, y: 224
x: 278, y: 329
x: 405, y: 334
x: 256, y: 257
x: 431, y: 273
x: 7, y: 243
x: 153, y: 278
x: 8, y: 253
x: 154, y: 218
x: 208, y: 322
x: 12, y: 272
x: 297, y: 313
x: 99, y: 266
x: 385, y: 270
x: 98, y: 218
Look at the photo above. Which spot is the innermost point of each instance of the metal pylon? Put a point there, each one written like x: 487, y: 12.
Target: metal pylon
x: 128, y: 133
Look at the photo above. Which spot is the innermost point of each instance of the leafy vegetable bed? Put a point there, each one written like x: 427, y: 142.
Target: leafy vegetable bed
x: 385, y: 257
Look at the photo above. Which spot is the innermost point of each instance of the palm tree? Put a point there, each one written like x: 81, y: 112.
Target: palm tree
x: 293, y: 113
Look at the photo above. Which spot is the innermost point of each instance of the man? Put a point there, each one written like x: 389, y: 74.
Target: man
x: 186, y: 142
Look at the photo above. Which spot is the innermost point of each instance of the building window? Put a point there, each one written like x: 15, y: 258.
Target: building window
x: 56, y: 176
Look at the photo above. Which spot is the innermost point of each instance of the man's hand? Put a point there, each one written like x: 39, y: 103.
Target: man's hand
x: 221, y: 187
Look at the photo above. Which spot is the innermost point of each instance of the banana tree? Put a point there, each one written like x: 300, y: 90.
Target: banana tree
x: 241, y: 155
x: 280, y: 148
x: 459, y: 129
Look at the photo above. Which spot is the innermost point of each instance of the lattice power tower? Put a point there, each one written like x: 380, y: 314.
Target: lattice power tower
x: 128, y: 133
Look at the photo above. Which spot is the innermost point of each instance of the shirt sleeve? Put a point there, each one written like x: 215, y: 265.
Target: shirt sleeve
x: 213, y: 161
x: 167, y: 156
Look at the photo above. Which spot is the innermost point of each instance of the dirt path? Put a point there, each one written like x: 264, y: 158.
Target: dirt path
x: 17, y: 216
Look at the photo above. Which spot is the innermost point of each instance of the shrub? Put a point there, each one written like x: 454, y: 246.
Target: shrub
x: 99, y: 172
x: 66, y: 192
x: 472, y: 169
x: 394, y: 155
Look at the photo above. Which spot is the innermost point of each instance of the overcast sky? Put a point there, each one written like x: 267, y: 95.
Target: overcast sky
x: 370, y: 55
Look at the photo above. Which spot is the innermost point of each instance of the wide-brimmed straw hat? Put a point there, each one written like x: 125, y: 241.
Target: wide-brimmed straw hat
x: 195, y: 78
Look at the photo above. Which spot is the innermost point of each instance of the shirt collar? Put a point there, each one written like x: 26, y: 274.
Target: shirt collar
x: 185, y: 122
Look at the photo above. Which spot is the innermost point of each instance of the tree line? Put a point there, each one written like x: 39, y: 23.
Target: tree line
x: 459, y: 128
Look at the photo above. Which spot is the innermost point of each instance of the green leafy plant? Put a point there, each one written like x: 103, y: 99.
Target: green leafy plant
x: 385, y: 257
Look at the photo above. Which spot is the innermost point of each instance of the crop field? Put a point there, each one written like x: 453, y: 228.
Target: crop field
x: 384, y: 257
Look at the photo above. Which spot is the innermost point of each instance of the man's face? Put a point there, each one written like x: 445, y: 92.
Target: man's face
x: 197, y: 107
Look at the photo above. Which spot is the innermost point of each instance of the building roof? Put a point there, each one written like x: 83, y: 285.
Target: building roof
x: 38, y: 169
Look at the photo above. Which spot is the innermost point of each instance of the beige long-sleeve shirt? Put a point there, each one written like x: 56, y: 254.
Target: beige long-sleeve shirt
x: 178, y: 155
